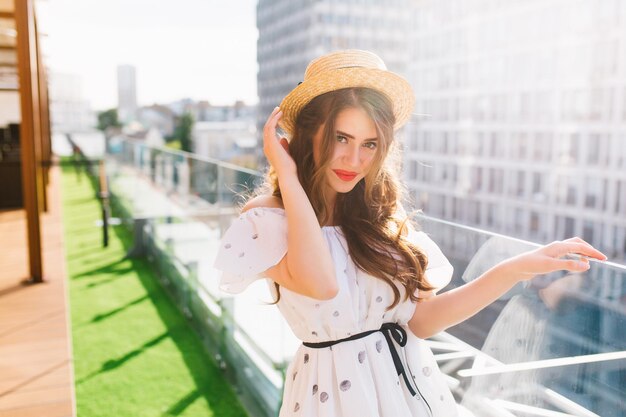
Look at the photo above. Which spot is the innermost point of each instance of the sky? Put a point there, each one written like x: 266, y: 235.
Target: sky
x: 199, y: 49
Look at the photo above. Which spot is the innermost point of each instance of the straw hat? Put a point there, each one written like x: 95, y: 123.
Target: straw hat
x: 344, y: 69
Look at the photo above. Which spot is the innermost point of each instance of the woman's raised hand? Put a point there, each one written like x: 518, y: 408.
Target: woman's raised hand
x: 277, y: 150
x: 549, y: 258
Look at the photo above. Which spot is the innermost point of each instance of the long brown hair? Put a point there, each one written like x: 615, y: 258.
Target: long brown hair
x: 371, y: 215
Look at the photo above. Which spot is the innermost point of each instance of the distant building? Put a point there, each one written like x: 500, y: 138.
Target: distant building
x: 227, y: 133
x: 181, y: 106
x: 203, y: 111
x: 292, y: 33
x: 159, y: 117
x: 231, y: 141
x: 126, y: 93
x: 69, y: 110
x: 527, y: 104
x: 150, y: 137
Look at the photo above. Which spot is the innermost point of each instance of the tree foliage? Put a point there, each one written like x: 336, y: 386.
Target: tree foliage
x: 108, y: 118
x: 182, y: 132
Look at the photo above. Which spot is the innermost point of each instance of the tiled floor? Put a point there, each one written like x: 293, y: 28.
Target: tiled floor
x: 35, y: 343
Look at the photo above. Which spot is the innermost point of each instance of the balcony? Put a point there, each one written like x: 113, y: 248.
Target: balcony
x: 550, y: 347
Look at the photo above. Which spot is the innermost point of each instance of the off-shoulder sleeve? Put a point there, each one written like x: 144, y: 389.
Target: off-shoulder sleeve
x: 439, y: 270
x: 254, y: 242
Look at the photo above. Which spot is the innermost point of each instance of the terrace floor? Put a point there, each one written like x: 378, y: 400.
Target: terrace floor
x: 36, y: 375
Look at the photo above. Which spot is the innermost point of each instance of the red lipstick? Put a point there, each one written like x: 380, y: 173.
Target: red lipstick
x: 345, y: 175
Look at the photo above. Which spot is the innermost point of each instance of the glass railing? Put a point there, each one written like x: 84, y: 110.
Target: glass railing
x: 554, y: 346
x: 178, y: 205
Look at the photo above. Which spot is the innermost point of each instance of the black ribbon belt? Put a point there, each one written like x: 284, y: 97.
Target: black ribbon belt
x: 390, y: 331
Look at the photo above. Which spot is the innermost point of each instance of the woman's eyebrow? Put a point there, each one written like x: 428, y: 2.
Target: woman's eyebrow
x: 339, y: 132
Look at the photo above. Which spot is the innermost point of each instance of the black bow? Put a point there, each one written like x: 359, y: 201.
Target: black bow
x: 390, y: 331
x: 395, y: 331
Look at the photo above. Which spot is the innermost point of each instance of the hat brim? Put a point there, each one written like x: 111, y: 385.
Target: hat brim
x: 396, y: 88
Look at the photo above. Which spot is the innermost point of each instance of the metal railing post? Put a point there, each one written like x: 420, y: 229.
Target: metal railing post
x: 192, y: 287
x: 104, y: 201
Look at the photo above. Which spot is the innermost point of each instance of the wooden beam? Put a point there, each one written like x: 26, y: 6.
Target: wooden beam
x: 30, y: 132
x: 7, y: 15
x: 7, y: 48
x: 44, y: 120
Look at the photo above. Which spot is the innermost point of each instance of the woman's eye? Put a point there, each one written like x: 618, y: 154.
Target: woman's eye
x: 341, y: 138
x: 371, y: 145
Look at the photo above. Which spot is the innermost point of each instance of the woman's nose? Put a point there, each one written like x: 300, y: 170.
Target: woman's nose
x: 353, y: 156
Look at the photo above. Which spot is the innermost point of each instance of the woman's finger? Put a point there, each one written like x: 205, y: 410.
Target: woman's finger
x: 271, y: 118
x: 577, y: 239
x: 579, y: 248
x: 270, y: 125
x: 572, y: 265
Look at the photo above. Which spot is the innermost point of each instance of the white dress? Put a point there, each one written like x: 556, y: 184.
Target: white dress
x: 356, y: 378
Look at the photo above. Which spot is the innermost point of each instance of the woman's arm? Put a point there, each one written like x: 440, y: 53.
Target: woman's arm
x: 308, y: 267
x: 309, y: 257
x: 437, y: 313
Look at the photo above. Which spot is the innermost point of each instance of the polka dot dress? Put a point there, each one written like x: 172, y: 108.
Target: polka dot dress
x: 350, y: 379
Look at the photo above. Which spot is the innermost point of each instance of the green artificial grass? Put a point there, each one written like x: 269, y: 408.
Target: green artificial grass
x: 134, y: 353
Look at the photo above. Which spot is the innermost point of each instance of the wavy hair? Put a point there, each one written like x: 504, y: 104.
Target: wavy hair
x: 371, y: 215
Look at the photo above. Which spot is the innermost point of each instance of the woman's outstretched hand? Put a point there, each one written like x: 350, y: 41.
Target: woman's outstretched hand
x: 550, y: 258
x: 458, y: 304
x: 277, y: 150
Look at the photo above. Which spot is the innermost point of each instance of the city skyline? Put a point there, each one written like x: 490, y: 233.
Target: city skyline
x: 203, y: 50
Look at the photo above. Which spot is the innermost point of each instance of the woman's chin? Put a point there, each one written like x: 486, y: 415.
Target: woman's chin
x: 344, y: 188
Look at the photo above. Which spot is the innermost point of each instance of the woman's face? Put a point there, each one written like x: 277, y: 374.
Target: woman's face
x: 354, y: 149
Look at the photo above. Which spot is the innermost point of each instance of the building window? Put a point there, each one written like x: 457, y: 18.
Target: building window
x: 619, y: 148
x: 620, y: 197
x: 496, y: 180
x: 520, y: 180
x: 413, y: 169
x: 592, y: 192
x: 566, y: 192
x: 588, y: 231
x: 454, y: 206
x: 474, y: 212
x: 597, y: 108
x: 594, y: 146
x: 476, y: 175
x: 491, y: 214
x: 574, y: 145
x: 624, y: 106
x: 496, y: 145
x: 479, y: 144
x: 426, y: 141
x: 429, y: 173
x: 571, y: 194
x: 534, y: 222
x: 525, y: 106
x: 454, y: 143
x: 523, y: 146
x: 570, y: 225
x: 543, y: 146
x: 537, y: 183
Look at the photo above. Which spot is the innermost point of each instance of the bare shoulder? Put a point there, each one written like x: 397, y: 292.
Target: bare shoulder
x: 263, y: 201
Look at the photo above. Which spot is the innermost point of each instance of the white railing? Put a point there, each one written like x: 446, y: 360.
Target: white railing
x: 554, y: 346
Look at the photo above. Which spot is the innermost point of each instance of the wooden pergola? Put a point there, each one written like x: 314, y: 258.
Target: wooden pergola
x: 36, y: 375
x: 23, y: 73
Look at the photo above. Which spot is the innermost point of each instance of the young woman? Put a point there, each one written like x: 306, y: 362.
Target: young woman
x: 353, y: 278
